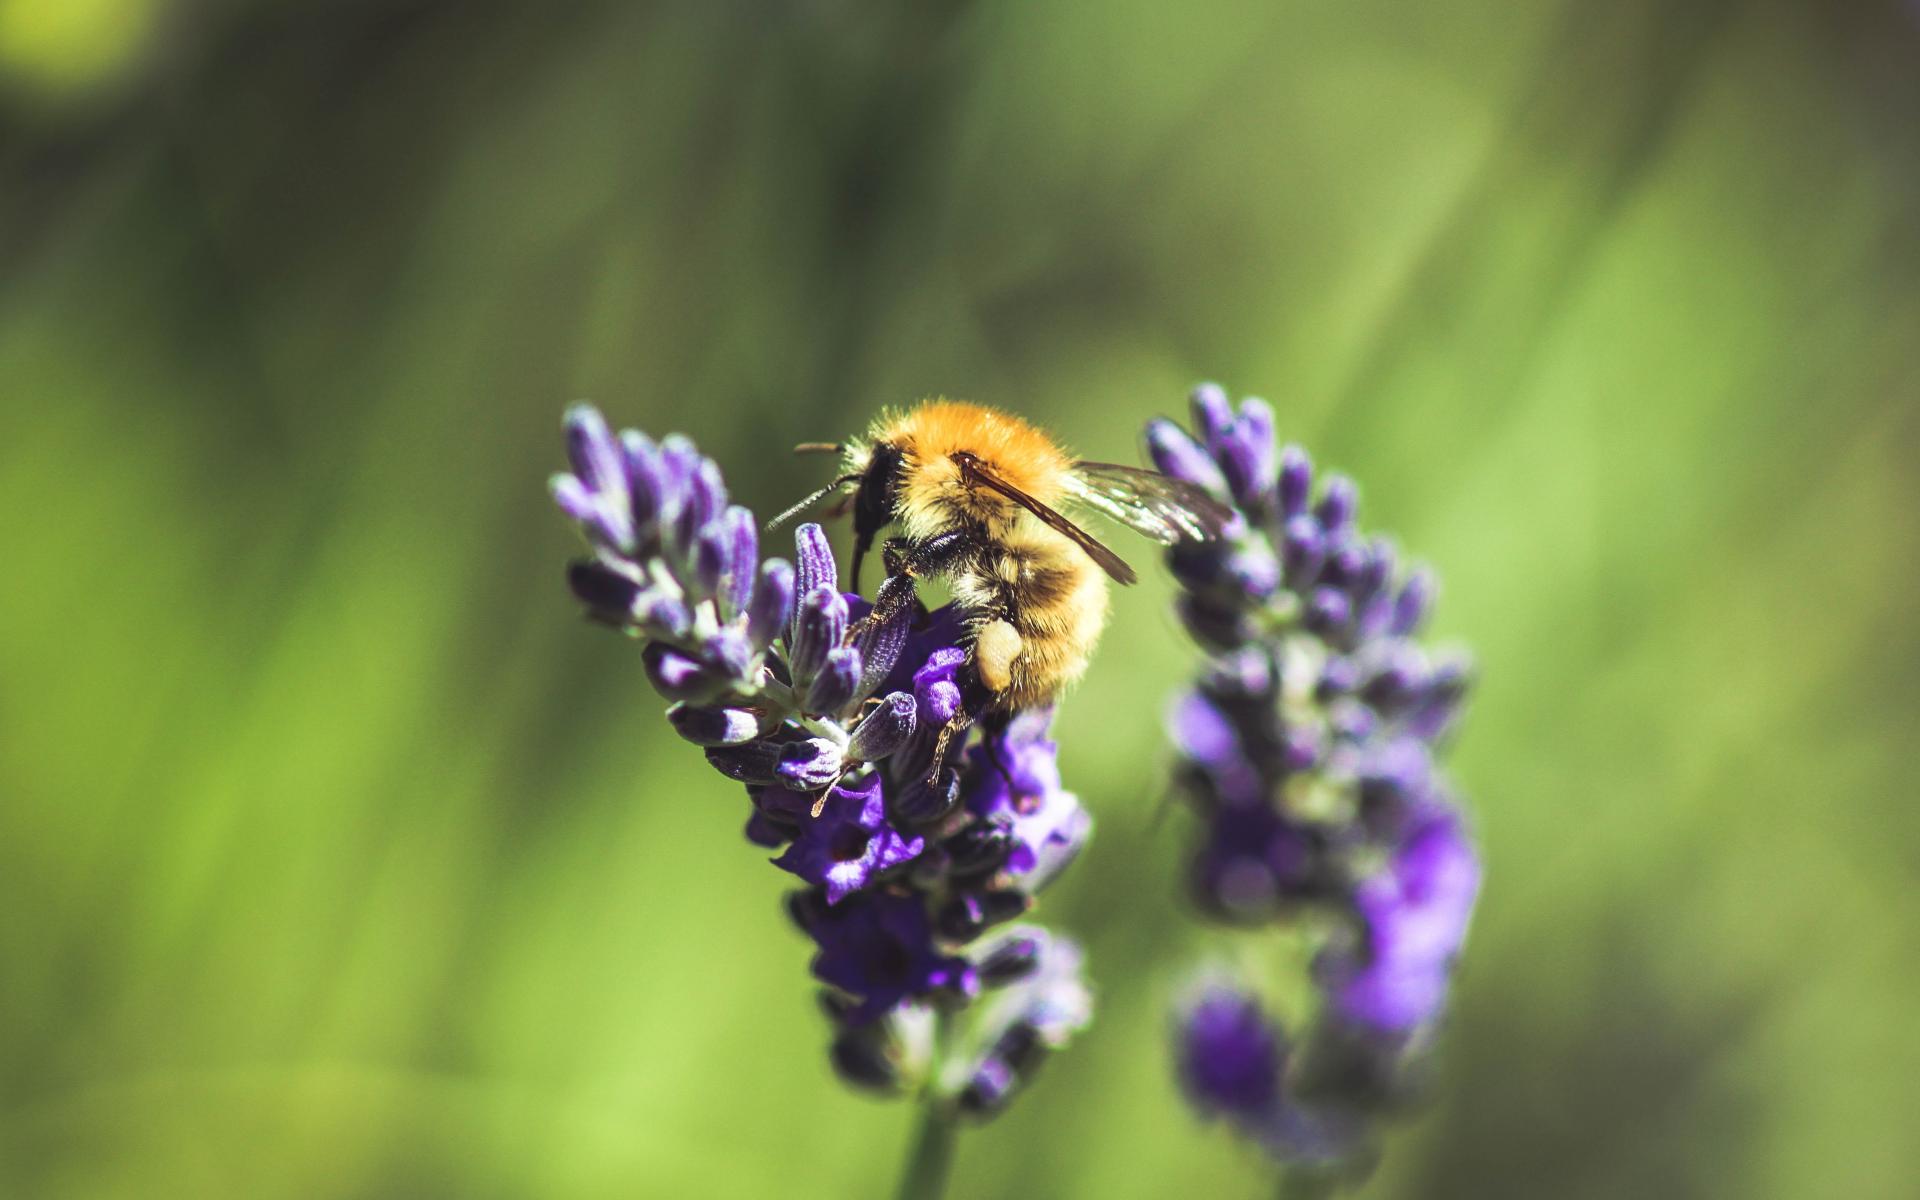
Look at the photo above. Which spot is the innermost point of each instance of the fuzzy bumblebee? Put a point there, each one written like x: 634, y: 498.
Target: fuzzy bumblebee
x: 977, y: 496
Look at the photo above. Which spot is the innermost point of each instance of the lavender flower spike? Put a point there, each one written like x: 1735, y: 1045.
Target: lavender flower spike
x: 829, y: 721
x: 1308, y: 748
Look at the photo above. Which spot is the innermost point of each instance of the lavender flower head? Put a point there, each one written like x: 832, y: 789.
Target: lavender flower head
x: 830, y: 721
x: 1307, y: 746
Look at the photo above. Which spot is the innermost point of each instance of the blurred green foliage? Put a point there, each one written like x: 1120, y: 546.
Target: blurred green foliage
x: 338, y: 858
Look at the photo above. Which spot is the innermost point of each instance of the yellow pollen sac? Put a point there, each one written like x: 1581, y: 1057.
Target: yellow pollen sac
x: 994, y: 649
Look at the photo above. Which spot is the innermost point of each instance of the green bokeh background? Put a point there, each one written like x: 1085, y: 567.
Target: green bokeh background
x: 340, y: 858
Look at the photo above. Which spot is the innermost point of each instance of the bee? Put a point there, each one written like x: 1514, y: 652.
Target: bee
x: 977, y: 495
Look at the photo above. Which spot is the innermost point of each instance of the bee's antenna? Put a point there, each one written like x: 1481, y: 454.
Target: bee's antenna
x: 810, y: 501
x: 818, y: 448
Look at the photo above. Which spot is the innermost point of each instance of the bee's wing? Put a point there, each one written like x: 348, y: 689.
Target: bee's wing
x: 1166, y: 509
x: 978, y: 472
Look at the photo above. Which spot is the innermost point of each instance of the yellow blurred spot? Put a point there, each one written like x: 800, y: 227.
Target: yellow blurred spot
x: 62, y: 48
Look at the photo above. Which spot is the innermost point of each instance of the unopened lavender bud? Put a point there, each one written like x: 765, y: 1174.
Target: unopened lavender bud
x: 1411, y: 605
x: 662, y: 615
x: 743, y: 558
x: 923, y: 803
x: 1338, y: 500
x: 1012, y: 960
x: 885, y: 729
x: 706, y: 497
x: 1303, y: 549
x: 575, y: 498
x: 834, y: 687
x: 1177, y: 454
x: 711, y: 558
x: 1296, y: 481
x: 592, y: 451
x: 709, y: 726
x: 607, y: 592
x: 1254, y: 572
x: 1214, y: 625
x: 677, y: 460
x: 988, y: 1089
x: 969, y: 914
x: 1327, y: 610
x: 646, y: 483
x: 813, y: 559
x: 772, y: 603
x: 754, y: 763
x: 679, y: 677
x: 819, y: 623
x: 730, y: 652
x: 860, y: 1057
x: 881, y: 644
x: 1212, y: 413
x: 1229, y: 1054
x: 808, y: 765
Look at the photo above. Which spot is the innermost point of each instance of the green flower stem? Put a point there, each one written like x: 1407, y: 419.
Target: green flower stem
x: 931, y: 1159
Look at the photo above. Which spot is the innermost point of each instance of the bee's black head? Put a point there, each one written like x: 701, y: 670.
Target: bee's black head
x: 874, y: 499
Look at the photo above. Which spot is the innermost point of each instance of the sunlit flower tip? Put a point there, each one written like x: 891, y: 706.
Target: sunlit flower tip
x: 1229, y: 1054
x: 1175, y: 453
x: 772, y: 604
x: 819, y: 624
x: 838, y: 682
x: 885, y: 729
x: 809, y: 765
x: 879, y: 949
x: 850, y: 843
x: 713, y: 726
x: 813, y: 559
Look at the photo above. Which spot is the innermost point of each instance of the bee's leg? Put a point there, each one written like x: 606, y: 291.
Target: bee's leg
x: 956, y: 726
x: 907, y: 561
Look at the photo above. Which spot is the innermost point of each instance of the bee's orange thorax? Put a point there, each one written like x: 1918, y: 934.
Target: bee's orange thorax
x: 930, y: 432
